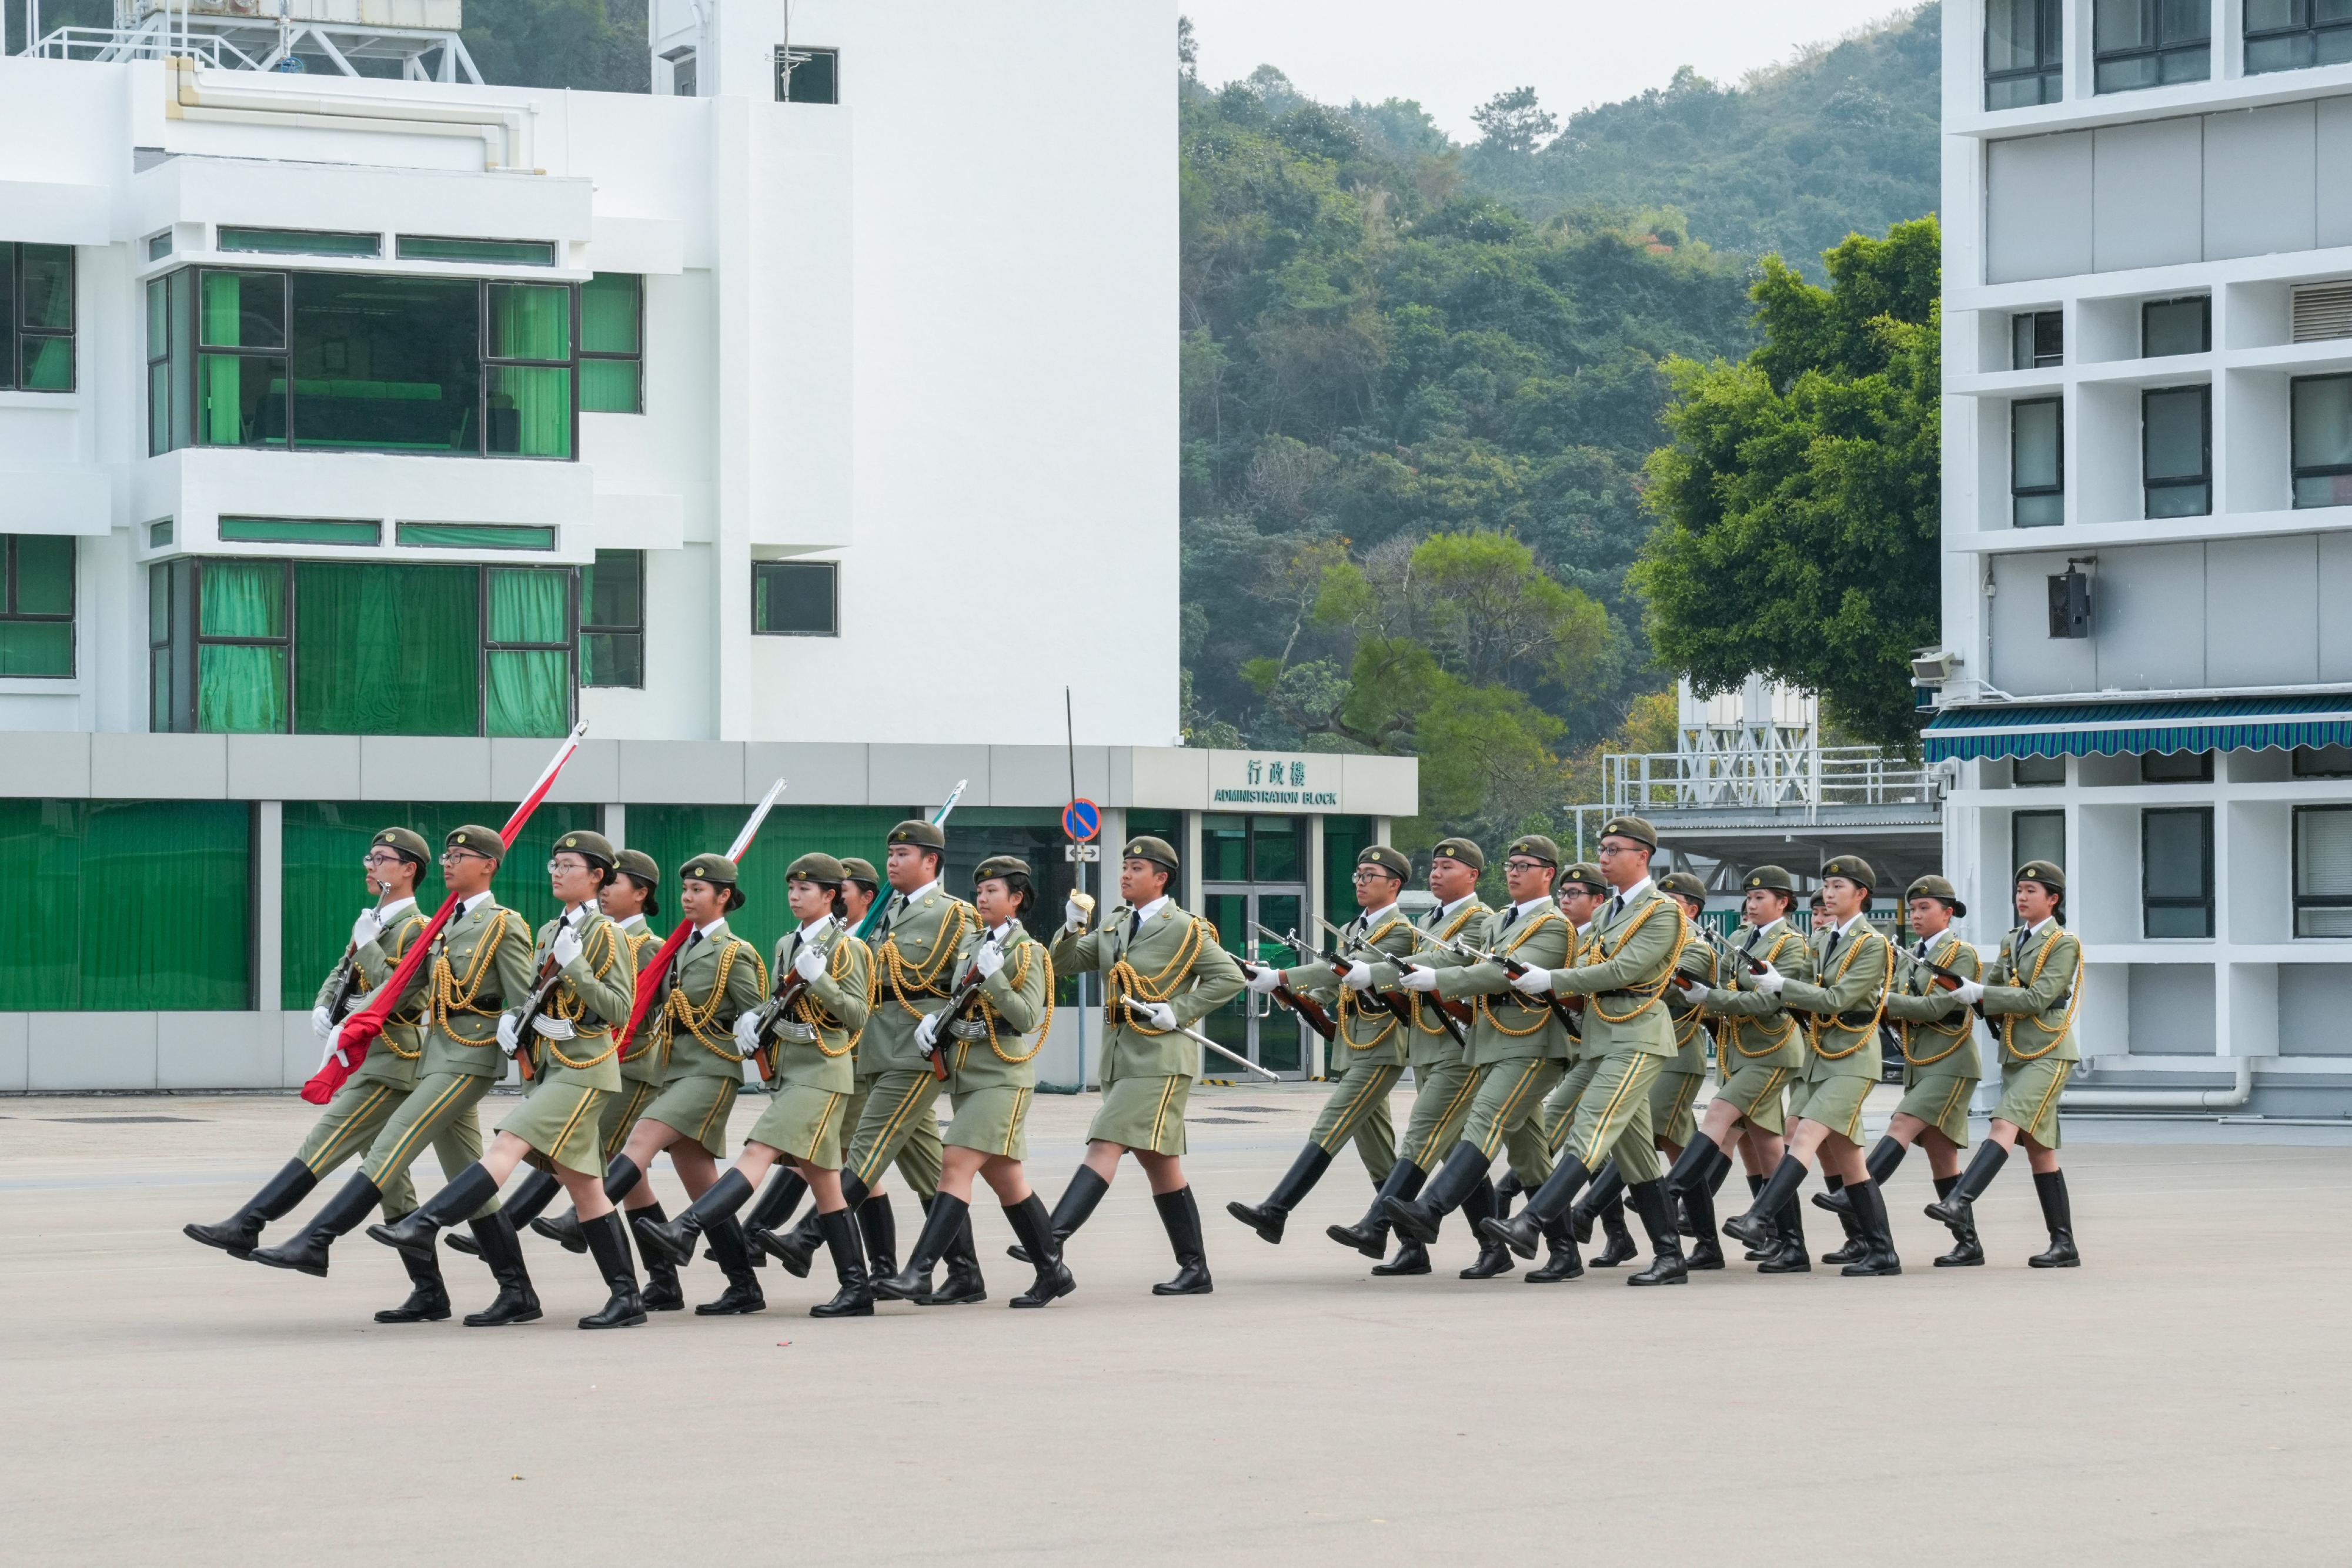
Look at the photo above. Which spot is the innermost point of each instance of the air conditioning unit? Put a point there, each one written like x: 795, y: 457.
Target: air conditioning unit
x: 1934, y: 666
x: 2069, y: 603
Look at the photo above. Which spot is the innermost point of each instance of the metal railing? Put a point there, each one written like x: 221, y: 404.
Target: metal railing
x: 135, y: 43
x: 1758, y: 780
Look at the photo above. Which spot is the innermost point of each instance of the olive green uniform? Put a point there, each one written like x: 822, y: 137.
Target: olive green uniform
x: 641, y: 1061
x: 914, y: 969
x: 1444, y: 1083
x: 1759, y: 1050
x: 571, y: 1078
x: 1516, y: 1044
x: 1369, y: 1043
x: 991, y: 1055
x: 1676, y: 1090
x: 1840, y: 1020
x: 1635, y: 946
x: 1940, y: 1064
x: 386, y: 1073
x: 2030, y: 994
x: 813, y: 1042
x: 1147, y: 1073
x: 716, y: 978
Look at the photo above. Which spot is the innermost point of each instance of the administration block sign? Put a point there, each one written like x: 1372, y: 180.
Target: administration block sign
x: 1280, y: 781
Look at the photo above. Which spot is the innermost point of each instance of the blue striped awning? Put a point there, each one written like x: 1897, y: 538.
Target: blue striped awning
x: 2086, y: 729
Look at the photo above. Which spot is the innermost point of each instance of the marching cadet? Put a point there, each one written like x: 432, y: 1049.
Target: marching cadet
x: 1517, y: 1043
x: 1163, y: 972
x: 1758, y: 1050
x: 1583, y: 890
x: 561, y: 1030
x: 479, y: 966
x: 1623, y: 970
x: 988, y: 1038
x: 802, y: 1122
x: 1443, y: 1081
x: 1856, y: 964
x: 393, y: 864
x: 1940, y: 1065
x: 1373, y: 1040
x: 2034, y: 990
x: 915, y: 941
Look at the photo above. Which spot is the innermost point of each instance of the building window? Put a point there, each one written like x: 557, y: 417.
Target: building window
x: 2037, y: 463
x: 2177, y: 451
x: 2322, y: 426
x: 2037, y: 339
x: 2169, y: 327
x: 494, y: 252
x: 2323, y: 762
x: 808, y: 76
x: 37, y: 604
x: 2323, y: 871
x: 612, y: 344
x: 2033, y: 772
x: 2021, y: 52
x: 2151, y: 43
x: 2286, y: 35
x: 318, y: 647
x: 2175, y: 767
x: 37, y: 302
x: 2037, y: 836
x: 681, y: 72
x: 299, y: 242
x: 796, y: 598
x: 612, y: 620
x: 2176, y: 863
x: 353, y: 362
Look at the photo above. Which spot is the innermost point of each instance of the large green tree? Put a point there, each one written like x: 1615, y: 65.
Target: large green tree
x: 1798, y: 499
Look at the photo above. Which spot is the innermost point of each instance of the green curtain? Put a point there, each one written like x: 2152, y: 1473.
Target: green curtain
x: 184, y: 409
x: 388, y: 650
x: 530, y: 322
x: 675, y: 834
x: 220, y: 391
x: 529, y: 605
x: 611, y: 386
x: 244, y: 598
x: 539, y: 398
x: 530, y: 693
x: 608, y: 314
x: 222, y: 310
x: 240, y: 689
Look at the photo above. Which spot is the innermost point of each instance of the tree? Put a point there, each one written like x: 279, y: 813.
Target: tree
x: 1513, y: 122
x: 1799, y: 523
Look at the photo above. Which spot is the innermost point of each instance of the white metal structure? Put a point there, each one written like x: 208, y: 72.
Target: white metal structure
x: 420, y: 37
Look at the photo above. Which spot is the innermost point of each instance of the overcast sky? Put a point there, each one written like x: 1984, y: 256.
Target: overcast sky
x: 1455, y: 55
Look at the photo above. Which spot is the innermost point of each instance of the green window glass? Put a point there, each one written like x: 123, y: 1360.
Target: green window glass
x: 473, y: 535
x: 242, y: 648
x: 37, y: 604
x: 141, y: 905
x: 183, y: 357
x: 1344, y: 838
x: 159, y: 366
x: 675, y: 834
x: 387, y: 650
x: 529, y: 651
x: 611, y: 343
x: 387, y: 364
x: 526, y: 405
x: 612, y: 620
x: 298, y: 530
x: 796, y: 598
x: 37, y: 317
x: 301, y: 242
x: 500, y: 251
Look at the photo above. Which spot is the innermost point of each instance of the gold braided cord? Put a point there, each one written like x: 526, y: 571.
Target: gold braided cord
x: 1814, y: 1028
x: 1688, y: 1023
x: 402, y: 935
x: 1125, y: 980
x: 717, y: 1039
x: 805, y: 1006
x: 646, y: 1040
x: 1735, y: 1020
x: 1957, y: 1034
x: 905, y: 977
x: 1483, y: 1004
x: 1682, y: 939
x: 988, y: 1008
x: 1469, y: 908
x: 574, y: 1010
x: 2074, y: 1000
x: 449, y: 995
x: 1345, y: 1004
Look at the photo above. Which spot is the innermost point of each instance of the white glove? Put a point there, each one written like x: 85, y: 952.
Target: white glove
x: 566, y: 947
x: 1359, y: 976
x: 553, y: 1027
x: 1770, y: 981
x: 1969, y: 992
x: 811, y: 961
x: 1535, y: 982
x: 1690, y: 988
x: 1420, y: 980
x: 927, y: 1033
x: 747, y: 1033
x: 365, y: 928
x: 510, y: 1033
x: 322, y: 1023
x: 1075, y: 914
x: 988, y: 960
x: 1159, y: 1015
x: 1264, y: 980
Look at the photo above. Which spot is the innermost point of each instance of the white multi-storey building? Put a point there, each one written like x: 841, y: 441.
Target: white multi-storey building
x: 359, y: 435
x: 2147, y: 520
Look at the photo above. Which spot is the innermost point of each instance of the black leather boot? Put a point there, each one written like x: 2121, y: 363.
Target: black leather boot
x: 674, y: 1239
x: 944, y: 1218
x: 1885, y: 1155
x: 1757, y: 1227
x: 1789, y: 1256
x: 610, y: 1243
x: 1878, y: 1258
x: 1077, y: 1204
x: 777, y: 1200
x: 1956, y: 1207
x: 1693, y: 1164
x: 1621, y: 1249
x: 797, y: 1248
x: 1507, y: 1191
x: 1666, y: 1265
x: 516, y: 1302
x: 1494, y: 1258
x: 1417, y: 1218
x: 1607, y: 1184
x: 1773, y: 1248
x: 1412, y: 1257
x: 307, y: 1252
x: 1858, y: 1246
x: 742, y: 1293
x: 1706, y: 1247
x: 1561, y: 1261
x: 663, y: 1292
x: 240, y: 1233
x: 1369, y: 1235
x: 1034, y: 1227
x: 414, y: 1233
x: 1266, y: 1218
x: 965, y: 1284
x: 621, y: 1178
x: 2058, y: 1214
x: 428, y: 1298
x: 1967, y: 1252
x: 878, y: 1227
x: 1181, y: 1217
x: 855, y: 1299
x: 1550, y: 1204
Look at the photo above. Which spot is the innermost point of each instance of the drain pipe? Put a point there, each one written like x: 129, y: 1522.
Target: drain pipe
x: 2241, y: 1088
x: 503, y: 129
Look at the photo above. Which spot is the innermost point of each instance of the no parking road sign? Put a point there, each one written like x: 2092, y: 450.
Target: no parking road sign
x: 1081, y: 821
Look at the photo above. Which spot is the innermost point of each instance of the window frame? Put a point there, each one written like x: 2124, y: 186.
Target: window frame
x: 14, y: 334
x: 601, y: 629
x: 807, y: 54
x: 2149, y: 902
x: 2047, y: 71
x: 2304, y: 27
x: 2297, y: 471
x: 2031, y: 321
x: 2202, y: 479
x: 2204, y: 774
x: 2305, y: 762
x: 2299, y: 900
x: 2152, y: 15
x: 2017, y: 856
x: 2017, y: 779
x: 198, y: 641
x: 583, y: 353
x: 9, y: 613
x: 2206, y: 345
x: 833, y: 570
x: 2035, y: 492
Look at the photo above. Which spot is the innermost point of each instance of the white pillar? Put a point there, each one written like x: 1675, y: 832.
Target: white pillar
x: 268, y: 905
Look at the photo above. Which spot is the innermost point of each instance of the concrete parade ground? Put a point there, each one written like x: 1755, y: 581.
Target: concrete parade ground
x: 2181, y: 1398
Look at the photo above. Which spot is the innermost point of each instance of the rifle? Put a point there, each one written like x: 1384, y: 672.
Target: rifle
x: 1399, y: 1005
x: 1951, y: 980
x: 1308, y: 1010
x: 649, y: 977
x: 789, y: 988
x: 958, y: 1000
x: 1564, y: 1009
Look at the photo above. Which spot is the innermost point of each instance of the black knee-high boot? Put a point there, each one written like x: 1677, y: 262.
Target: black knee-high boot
x: 473, y: 1188
x: 307, y: 1252
x: 1790, y: 1256
x: 1857, y: 1245
x: 610, y: 1243
x: 1494, y: 1258
x: 964, y: 1284
x: 1267, y: 1218
x: 1707, y: 1247
x: 1695, y: 1164
x: 663, y: 1292
x: 621, y: 1178
x: 531, y: 1195
x: 1369, y: 1235
x: 2058, y: 1214
x: 1757, y: 1227
x: 1417, y: 1218
x: 734, y: 1254
x: 878, y: 1227
x: 1034, y: 1227
x: 1547, y: 1207
x: 1181, y: 1217
x: 1877, y: 1234
x: 1076, y: 1205
x: 855, y: 1299
x: 428, y: 1298
x: 1967, y: 1251
x: 1666, y: 1266
x: 516, y: 1302
x: 240, y: 1233
x: 794, y: 1248
x: 1885, y: 1155
x: 1956, y: 1207
x: 1608, y: 1187
x: 944, y: 1218
x: 674, y: 1239
x: 782, y: 1195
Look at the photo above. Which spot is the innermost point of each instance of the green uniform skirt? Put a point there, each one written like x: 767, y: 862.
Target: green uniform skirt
x: 804, y: 1123
x: 558, y: 1120
x: 1145, y: 1113
x: 1941, y: 1100
x: 1671, y: 1098
x: 617, y: 1116
x: 1441, y: 1109
x: 1756, y: 1092
x: 348, y: 1126
x: 697, y: 1105
x: 2028, y: 1097
x: 1834, y: 1102
x: 1357, y: 1109
x: 994, y: 1120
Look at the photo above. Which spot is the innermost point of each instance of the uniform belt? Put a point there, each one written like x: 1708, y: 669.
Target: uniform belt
x: 972, y: 1029
x: 798, y: 1033
x: 1620, y: 997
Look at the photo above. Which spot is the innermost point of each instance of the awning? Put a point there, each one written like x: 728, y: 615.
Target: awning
x: 2088, y: 729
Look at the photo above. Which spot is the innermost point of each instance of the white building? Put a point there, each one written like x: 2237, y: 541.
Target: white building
x: 2148, y: 566
x: 361, y: 433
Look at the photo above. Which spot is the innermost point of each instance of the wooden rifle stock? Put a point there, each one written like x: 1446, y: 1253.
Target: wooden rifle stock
x: 1398, y: 1004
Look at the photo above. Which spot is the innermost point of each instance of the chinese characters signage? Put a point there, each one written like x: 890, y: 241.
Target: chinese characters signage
x: 1276, y: 780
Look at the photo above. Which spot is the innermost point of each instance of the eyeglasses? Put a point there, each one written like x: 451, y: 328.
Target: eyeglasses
x: 1607, y: 849
x: 1525, y: 865
x: 1372, y: 874
x: 448, y: 856
x: 386, y: 858
x: 560, y: 863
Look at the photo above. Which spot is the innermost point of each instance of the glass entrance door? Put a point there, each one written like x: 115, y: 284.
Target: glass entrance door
x: 1253, y: 1026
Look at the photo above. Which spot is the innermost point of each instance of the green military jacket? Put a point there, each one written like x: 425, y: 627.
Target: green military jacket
x: 815, y: 1040
x: 1174, y: 958
x: 2031, y: 992
x: 594, y: 994
x: 640, y: 1062
x: 1431, y: 1045
x: 394, y: 1056
x: 996, y: 1044
x: 1690, y: 1023
x: 913, y: 953
x: 1840, y: 1015
x: 1755, y: 1030
x: 1372, y: 1034
x: 480, y: 966
x: 1509, y: 1025
x: 710, y: 984
x: 1623, y: 968
x: 1936, y: 1028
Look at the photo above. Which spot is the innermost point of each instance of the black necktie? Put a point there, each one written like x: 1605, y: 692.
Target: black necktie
x: 1134, y: 925
x: 1616, y: 907
x: 1830, y: 951
x: 1508, y: 916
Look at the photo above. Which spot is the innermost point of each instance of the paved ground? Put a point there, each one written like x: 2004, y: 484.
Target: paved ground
x: 2180, y: 1399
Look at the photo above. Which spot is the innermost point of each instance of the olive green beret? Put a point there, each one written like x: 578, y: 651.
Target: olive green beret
x: 1144, y: 847
x: 479, y: 840
x: 1462, y: 850
x: 1683, y: 884
x: 638, y: 865
x: 2045, y: 872
x: 1387, y: 860
x: 588, y: 846
x: 998, y: 865
x: 405, y: 842
x: 916, y: 831
x: 1632, y: 827
x: 1535, y: 846
x: 1938, y: 888
x: 1854, y: 868
x: 716, y: 870
x: 854, y: 869
x: 1583, y: 873
x: 1769, y: 877
x: 816, y: 866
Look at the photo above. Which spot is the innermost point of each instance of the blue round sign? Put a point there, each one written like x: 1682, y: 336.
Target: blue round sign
x: 1081, y: 821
